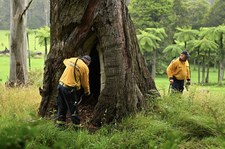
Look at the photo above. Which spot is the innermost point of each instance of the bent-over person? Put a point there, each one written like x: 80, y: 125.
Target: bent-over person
x: 75, y: 75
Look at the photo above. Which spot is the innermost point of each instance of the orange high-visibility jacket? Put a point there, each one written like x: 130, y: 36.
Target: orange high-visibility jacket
x: 179, y: 69
x: 81, y: 77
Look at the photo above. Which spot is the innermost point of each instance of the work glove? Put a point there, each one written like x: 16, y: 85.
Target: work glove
x: 87, y: 94
x: 171, y: 81
x: 188, y: 82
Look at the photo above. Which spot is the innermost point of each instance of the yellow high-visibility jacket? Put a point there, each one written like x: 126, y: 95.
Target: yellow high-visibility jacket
x: 81, y: 77
x: 179, y: 69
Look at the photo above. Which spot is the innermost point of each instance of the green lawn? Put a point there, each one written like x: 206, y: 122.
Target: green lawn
x: 36, y: 64
x: 4, y: 39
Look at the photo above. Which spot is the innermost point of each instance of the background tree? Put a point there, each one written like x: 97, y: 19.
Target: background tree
x: 43, y: 35
x: 98, y: 28
x: 216, y: 15
x: 197, y: 11
x: 173, y: 50
x: 38, y: 14
x: 154, y: 14
x: 204, y: 48
x: 149, y: 44
x: 150, y: 13
x: 28, y: 47
x: 18, y: 66
x: 205, y: 33
x: 217, y: 34
x: 180, y: 13
x: 185, y: 34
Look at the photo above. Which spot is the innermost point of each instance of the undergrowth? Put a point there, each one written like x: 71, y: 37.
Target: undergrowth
x: 192, y: 121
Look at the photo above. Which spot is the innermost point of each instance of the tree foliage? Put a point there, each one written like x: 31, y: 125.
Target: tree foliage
x: 216, y: 14
x: 150, y: 13
x: 197, y: 11
x: 42, y: 34
x: 173, y: 50
x: 180, y: 13
x: 147, y: 41
x: 204, y: 45
x: 185, y: 34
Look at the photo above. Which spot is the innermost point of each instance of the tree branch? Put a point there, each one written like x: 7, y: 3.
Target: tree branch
x: 26, y: 9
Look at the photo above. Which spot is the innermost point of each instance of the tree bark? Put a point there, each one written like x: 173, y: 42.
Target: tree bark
x: 18, y: 49
x: 118, y: 73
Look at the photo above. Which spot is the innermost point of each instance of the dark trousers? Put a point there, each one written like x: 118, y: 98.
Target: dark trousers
x: 178, y: 85
x: 66, y: 103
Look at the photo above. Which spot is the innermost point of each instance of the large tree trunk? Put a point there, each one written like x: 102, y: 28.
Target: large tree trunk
x: 18, y: 49
x: 119, y: 78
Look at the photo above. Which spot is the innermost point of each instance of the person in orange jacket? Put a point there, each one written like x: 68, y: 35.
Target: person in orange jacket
x: 75, y: 75
x: 178, y: 71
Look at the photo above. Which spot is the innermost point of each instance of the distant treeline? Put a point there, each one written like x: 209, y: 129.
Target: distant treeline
x: 38, y: 14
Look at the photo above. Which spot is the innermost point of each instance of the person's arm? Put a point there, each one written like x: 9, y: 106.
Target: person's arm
x: 85, y: 81
x: 170, y: 70
x: 188, y: 77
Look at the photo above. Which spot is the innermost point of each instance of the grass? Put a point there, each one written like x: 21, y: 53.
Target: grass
x: 37, y: 64
x: 4, y: 39
x: 169, y: 122
x: 194, y: 121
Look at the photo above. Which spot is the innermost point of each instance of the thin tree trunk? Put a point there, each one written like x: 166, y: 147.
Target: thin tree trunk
x: 18, y: 50
x: 203, y: 69
x: 127, y: 80
x: 220, y: 73
x: 28, y: 46
x: 208, y: 67
x: 46, y: 48
x: 194, y: 65
x: 153, y: 64
x: 221, y: 62
x: 199, y: 69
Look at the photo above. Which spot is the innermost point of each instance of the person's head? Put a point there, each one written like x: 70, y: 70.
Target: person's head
x: 184, y: 55
x: 86, y: 59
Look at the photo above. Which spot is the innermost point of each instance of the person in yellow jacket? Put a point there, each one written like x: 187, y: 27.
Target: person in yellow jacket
x: 75, y: 75
x: 178, y: 71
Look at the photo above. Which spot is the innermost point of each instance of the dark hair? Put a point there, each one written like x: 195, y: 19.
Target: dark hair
x: 185, y: 53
